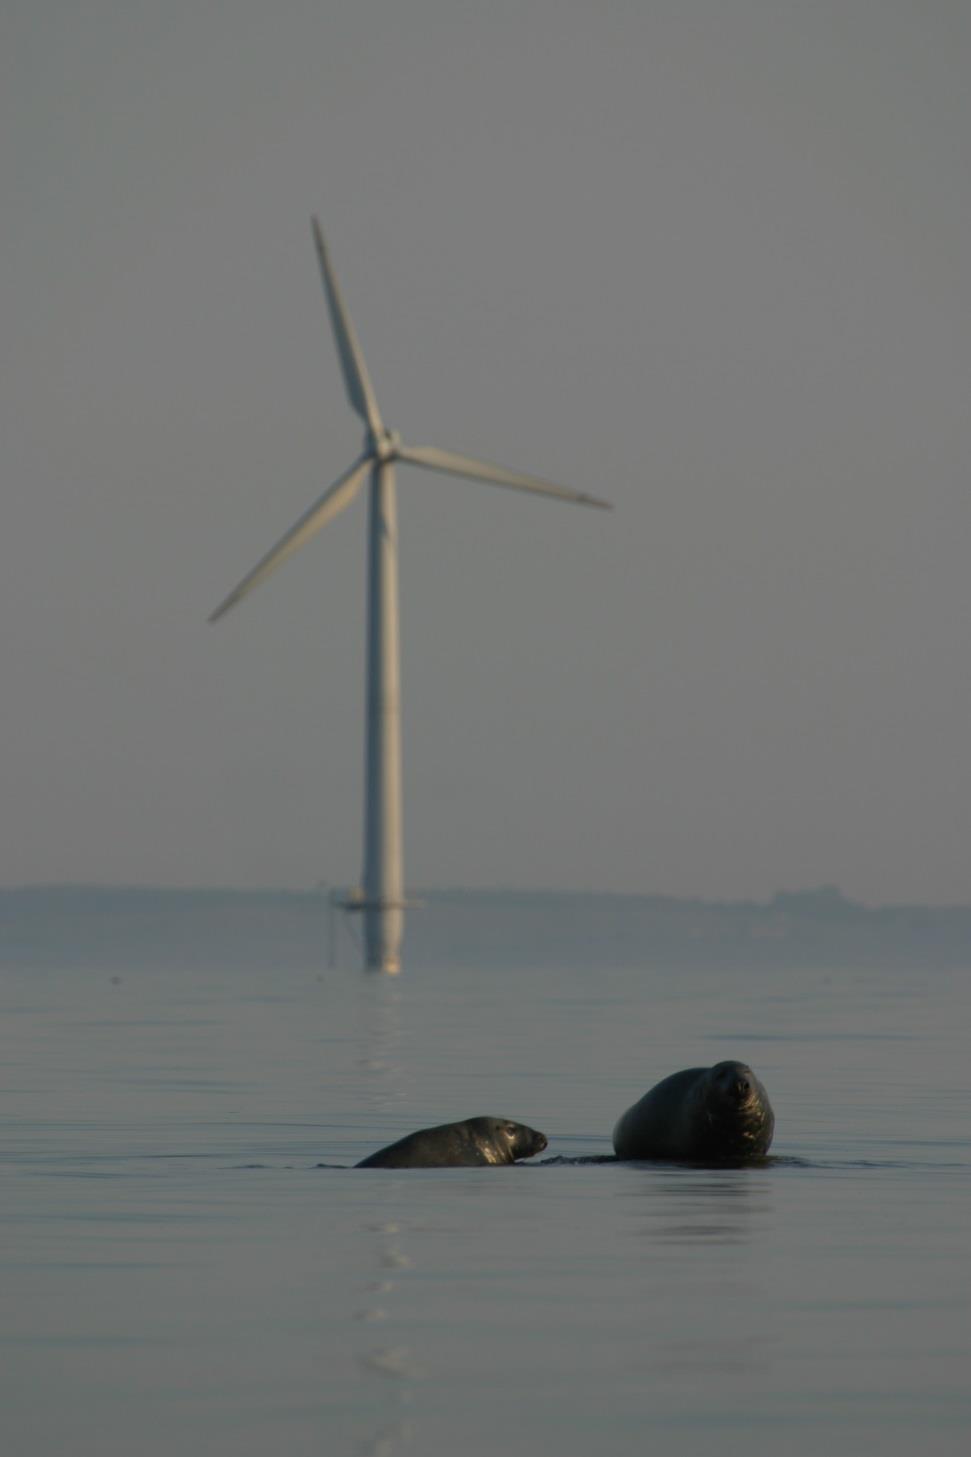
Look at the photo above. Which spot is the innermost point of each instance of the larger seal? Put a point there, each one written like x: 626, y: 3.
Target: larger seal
x: 720, y: 1112
x: 454, y: 1145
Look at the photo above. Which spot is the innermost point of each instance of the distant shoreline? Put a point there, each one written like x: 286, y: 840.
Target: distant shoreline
x: 795, y: 930
x: 822, y: 901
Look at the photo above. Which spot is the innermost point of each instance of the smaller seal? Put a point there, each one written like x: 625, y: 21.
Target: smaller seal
x: 459, y: 1145
x: 703, y: 1113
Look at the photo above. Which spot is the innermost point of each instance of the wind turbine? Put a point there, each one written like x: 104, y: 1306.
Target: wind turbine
x: 382, y: 901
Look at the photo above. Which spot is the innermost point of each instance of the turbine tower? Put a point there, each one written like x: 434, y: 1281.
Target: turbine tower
x: 383, y: 898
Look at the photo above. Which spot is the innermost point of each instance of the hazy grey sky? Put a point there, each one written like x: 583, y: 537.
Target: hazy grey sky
x: 706, y: 257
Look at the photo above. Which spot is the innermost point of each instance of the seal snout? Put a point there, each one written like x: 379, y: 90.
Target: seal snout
x: 736, y: 1082
x: 527, y: 1142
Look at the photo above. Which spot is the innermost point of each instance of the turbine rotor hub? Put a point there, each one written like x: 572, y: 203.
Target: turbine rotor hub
x: 384, y: 444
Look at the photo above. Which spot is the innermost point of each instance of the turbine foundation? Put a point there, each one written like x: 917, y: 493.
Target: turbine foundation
x: 383, y: 934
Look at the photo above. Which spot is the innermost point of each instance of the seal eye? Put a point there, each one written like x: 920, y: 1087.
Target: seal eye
x: 510, y: 1129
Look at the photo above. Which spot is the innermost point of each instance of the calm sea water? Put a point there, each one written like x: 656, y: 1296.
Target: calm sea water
x: 179, y: 1274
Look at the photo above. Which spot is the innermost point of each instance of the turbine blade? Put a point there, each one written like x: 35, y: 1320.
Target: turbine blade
x: 330, y: 504
x: 358, y: 384
x: 497, y: 475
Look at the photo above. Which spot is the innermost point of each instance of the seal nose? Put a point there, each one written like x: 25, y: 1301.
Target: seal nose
x: 742, y: 1088
x: 541, y: 1142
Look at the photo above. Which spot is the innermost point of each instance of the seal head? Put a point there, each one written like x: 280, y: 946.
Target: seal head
x: 475, y: 1142
x: 701, y: 1114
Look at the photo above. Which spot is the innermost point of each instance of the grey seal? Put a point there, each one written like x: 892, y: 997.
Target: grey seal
x: 454, y: 1145
x: 720, y: 1112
